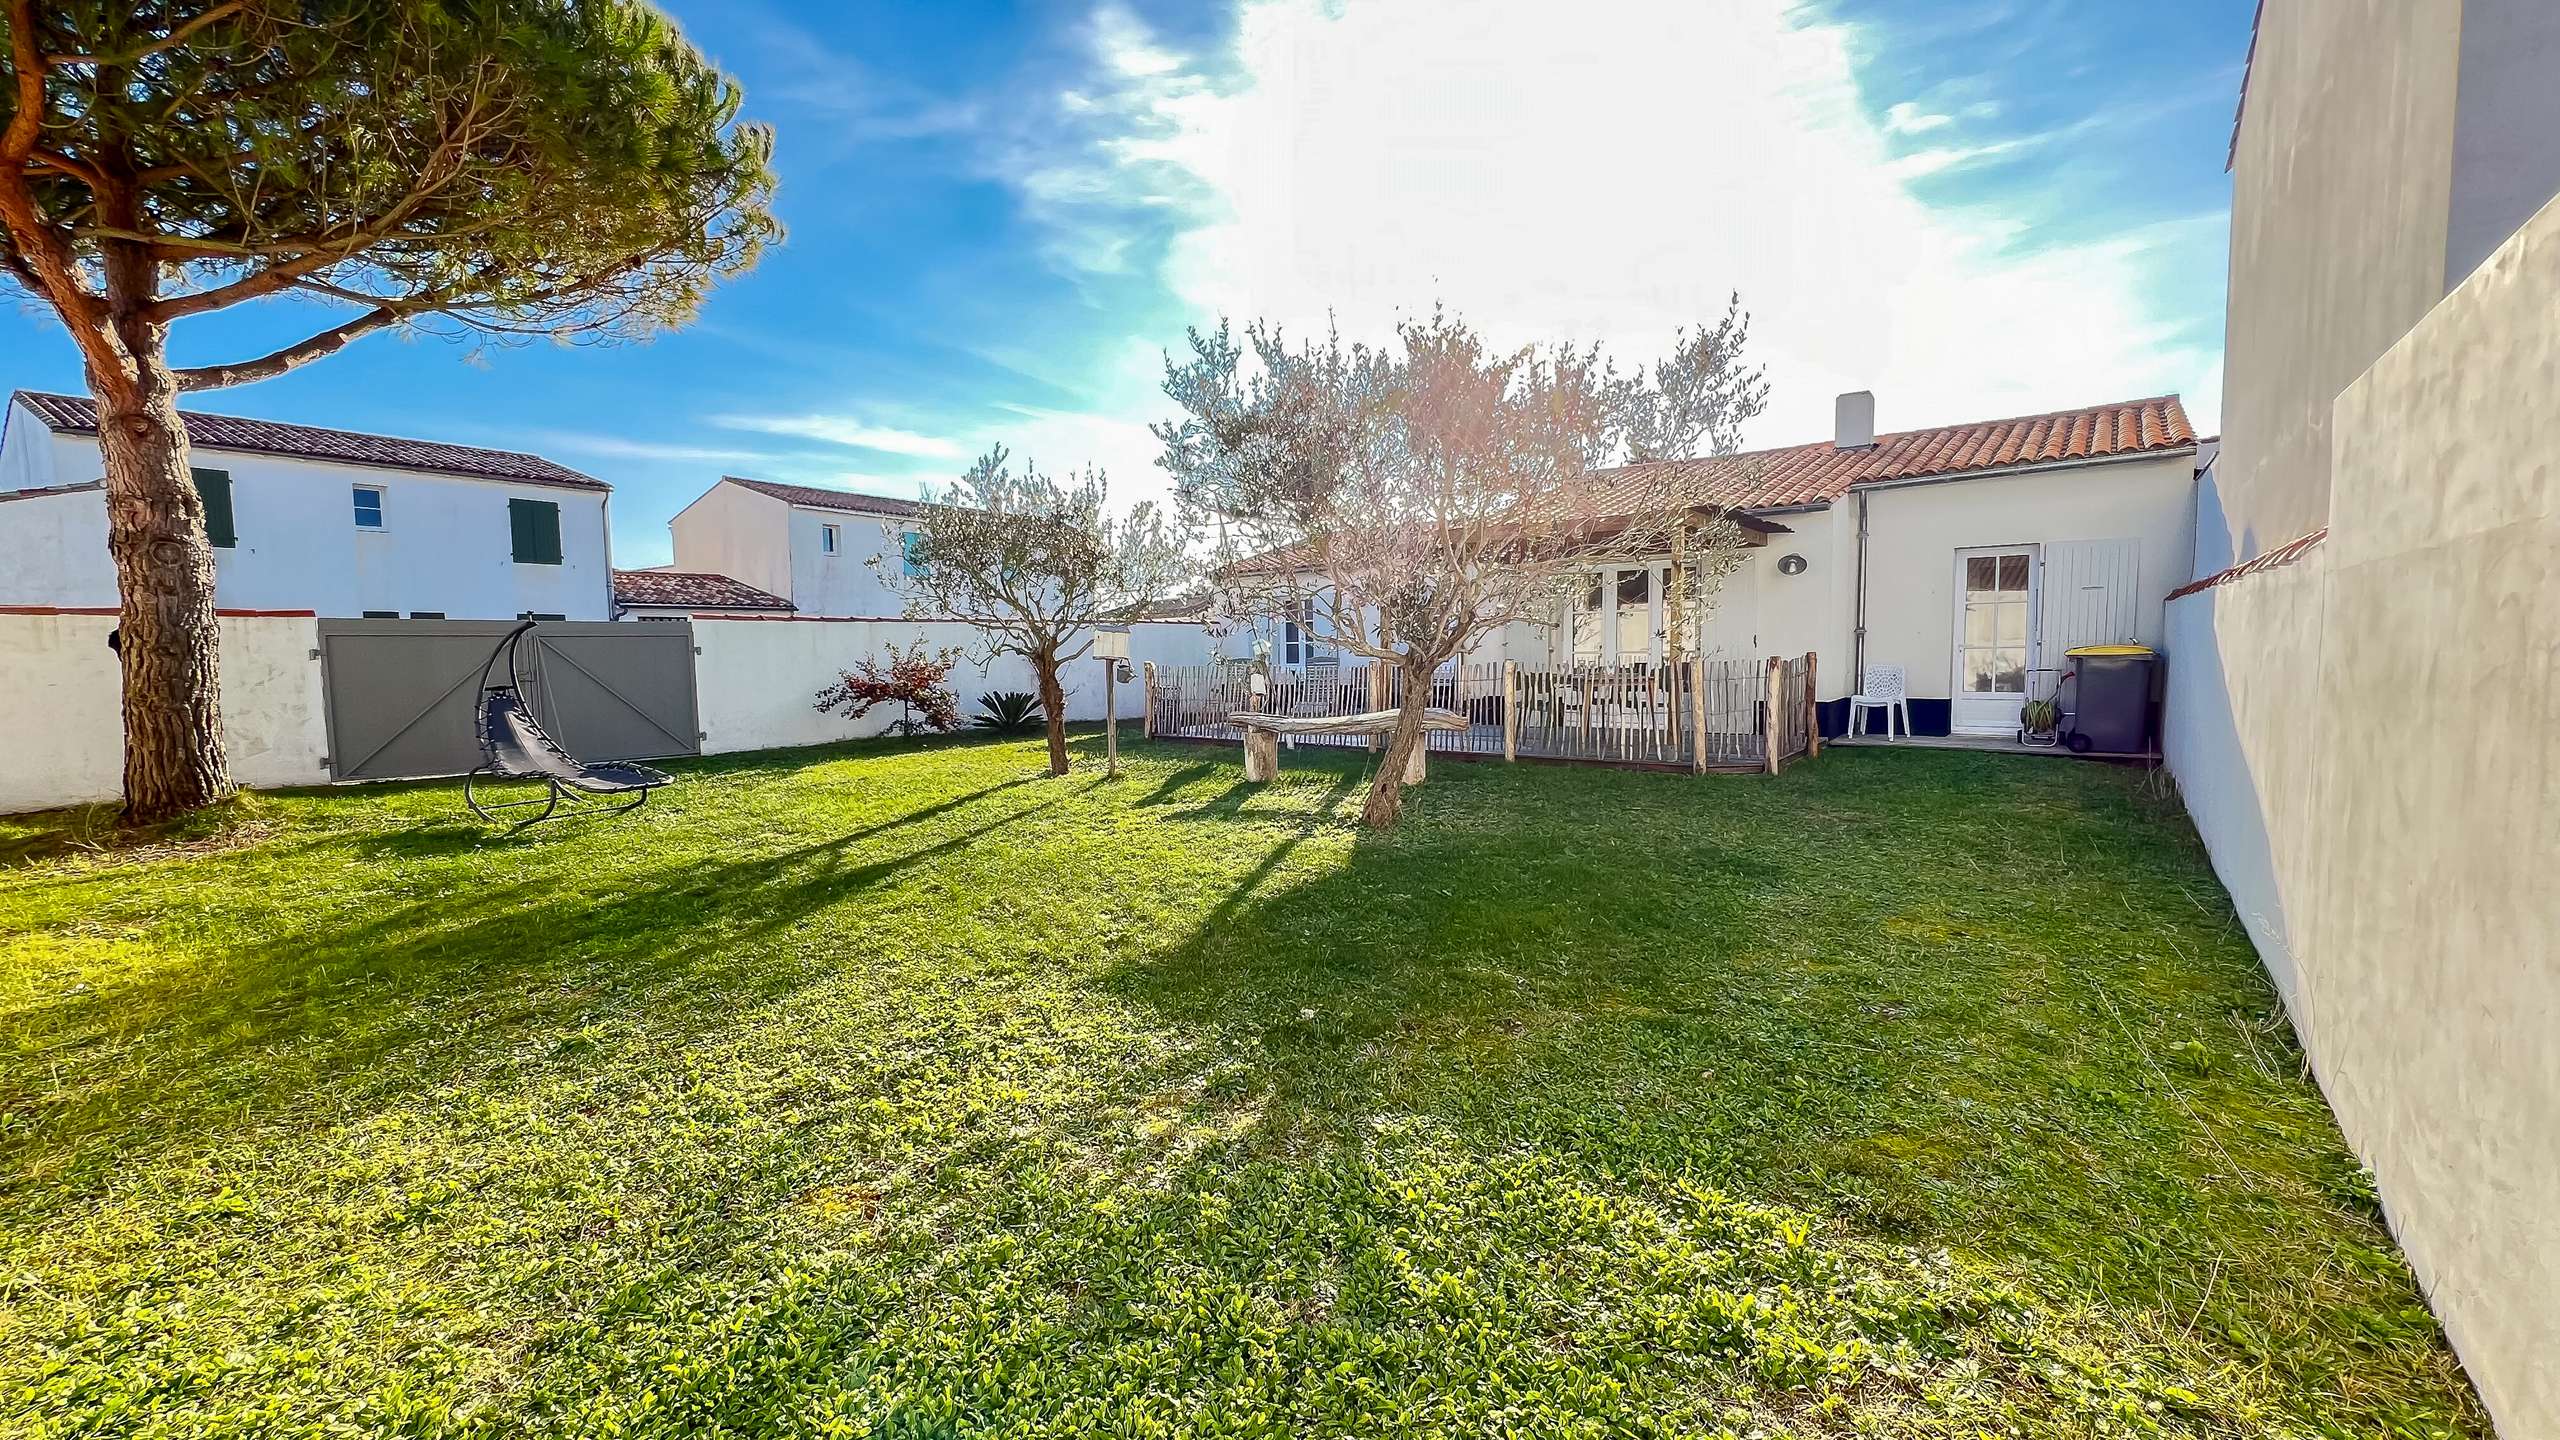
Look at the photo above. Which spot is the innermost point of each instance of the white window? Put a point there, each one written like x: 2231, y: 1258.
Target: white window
x: 827, y: 539
x: 368, y: 507
x: 1298, y: 642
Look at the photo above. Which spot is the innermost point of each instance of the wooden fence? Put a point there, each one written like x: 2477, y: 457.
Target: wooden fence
x: 1694, y: 715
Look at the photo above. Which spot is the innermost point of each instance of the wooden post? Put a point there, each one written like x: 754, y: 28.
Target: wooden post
x: 1110, y: 718
x: 1149, y: 730
x: 1510, y: 710
x: 1697, y: 715
x: 1812, y: 705
x: 1377, y: 682
x: 1261, y: 754
x: 1772, y: 722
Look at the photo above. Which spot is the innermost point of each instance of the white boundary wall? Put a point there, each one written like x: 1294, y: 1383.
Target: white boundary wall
x: 2369, y: 741
x: 61, y: 725
x: 758, y: 680
x: 62, y: 710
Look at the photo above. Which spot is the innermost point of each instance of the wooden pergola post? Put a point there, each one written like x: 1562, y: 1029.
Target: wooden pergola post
x: 1697, y: 715
x: 1149, y: 729
x: 1812, y: 705
x: 1775, y: 722
x: 1377, y: 681
x: 1510, y: 710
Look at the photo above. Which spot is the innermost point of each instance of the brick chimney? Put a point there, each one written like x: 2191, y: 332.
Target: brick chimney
x: 1854, y: 421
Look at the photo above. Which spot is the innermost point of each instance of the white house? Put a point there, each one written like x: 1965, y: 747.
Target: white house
x: 342, y: 524
x: 1972, y: 556
x: 810, y: 547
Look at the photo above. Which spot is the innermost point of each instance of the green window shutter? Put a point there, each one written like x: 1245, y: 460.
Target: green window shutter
x: 214, y: 488
x: 535, y: 525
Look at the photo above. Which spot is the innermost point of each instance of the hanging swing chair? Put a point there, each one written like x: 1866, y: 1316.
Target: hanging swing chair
x: 513, y: 745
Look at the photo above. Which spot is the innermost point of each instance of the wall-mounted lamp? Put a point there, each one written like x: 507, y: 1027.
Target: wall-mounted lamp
x: 1790, y: 564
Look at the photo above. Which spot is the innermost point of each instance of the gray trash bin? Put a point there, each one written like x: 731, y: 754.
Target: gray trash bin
x: 2111, y: 708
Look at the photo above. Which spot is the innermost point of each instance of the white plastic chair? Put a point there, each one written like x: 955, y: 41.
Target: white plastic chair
x: 1882, y: 691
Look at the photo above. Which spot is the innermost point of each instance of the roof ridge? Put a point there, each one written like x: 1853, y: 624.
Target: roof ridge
x: 91, y: 401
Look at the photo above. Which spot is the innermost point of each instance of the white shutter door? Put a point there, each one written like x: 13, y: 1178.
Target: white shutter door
x: 2091, y: 595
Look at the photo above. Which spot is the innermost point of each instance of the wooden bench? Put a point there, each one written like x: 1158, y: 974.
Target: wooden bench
x: 1262, y: 734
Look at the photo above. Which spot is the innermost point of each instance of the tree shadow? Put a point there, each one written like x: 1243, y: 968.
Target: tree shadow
x: 351, y: 1008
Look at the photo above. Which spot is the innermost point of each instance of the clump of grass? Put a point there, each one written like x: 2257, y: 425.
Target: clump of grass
x: 895, y: 1089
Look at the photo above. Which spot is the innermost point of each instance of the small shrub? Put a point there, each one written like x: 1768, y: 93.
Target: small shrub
x: 912, y: 679
x: 1008, y: 712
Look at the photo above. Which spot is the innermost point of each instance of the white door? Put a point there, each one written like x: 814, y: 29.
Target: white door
x: 1995, y: 627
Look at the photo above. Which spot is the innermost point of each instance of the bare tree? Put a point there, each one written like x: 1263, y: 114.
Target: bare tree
x: 561, y: 167
x: 1407, y: 500
x: 1035, y: 565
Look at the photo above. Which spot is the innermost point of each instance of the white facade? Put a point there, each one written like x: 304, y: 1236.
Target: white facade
x: 444, y: 545
x: 820, y: 557
x: 2093, y: 545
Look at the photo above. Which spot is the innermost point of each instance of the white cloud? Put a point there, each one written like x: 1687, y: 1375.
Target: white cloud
x: 1905, y: 118
x: 845, y: 430
x: 1602, y: 171
x: 618, y: 447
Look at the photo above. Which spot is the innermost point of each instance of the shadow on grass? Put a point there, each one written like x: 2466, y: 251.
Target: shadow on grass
x: 420, y: 993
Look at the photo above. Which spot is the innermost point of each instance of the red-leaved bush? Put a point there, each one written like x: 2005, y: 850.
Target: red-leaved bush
x: 911, y: 679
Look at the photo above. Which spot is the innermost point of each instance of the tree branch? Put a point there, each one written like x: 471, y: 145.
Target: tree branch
x: 170, y: 41
x: 275, y: 363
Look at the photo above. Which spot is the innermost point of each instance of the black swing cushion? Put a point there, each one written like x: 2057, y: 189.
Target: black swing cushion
x: 516, y: 744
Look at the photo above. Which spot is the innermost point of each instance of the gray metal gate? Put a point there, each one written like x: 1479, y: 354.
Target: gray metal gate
x: 401, y: 693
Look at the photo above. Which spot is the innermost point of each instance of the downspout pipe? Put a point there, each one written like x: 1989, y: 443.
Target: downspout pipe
x: 1858, y: 637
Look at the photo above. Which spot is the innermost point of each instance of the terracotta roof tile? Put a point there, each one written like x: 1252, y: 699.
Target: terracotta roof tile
x: 2276, y: 559
x: 824, y: 499
x: 691, y: 589
x: 78, y: 415
x: 1820, y: 473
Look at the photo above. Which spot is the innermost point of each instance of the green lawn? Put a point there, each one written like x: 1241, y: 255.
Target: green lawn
x: 898, y: 1090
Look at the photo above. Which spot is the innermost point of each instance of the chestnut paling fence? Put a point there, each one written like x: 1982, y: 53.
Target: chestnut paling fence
x: 1694, y: 714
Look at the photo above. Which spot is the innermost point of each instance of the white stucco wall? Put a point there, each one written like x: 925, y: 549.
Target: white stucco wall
x: 2341, y: 187
x: 61, y: 707
x: 845, y: 583
x: 757, y: 679
x: 2371, y: 763
x: 1914, y: 532
x: 445, y: 545
x: 734, y: 531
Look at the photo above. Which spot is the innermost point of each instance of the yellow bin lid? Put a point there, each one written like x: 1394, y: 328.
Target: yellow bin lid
x: 2111, y: 650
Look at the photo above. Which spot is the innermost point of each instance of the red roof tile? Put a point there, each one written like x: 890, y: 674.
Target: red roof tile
x: 692, y: 590
x: 2276, y: 559
x: 828, y: 499
x: 1819, y: 473
x: 78, y: 415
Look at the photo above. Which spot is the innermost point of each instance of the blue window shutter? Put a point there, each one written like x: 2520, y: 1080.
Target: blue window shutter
x: 535, y: 528
x: 214, y: 488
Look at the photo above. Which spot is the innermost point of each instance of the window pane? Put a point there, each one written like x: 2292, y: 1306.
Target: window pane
x: 2009, y: 673
x: 1635, y: 616
x: 827, y: 539
x: 1586, y: 625
x: 1980, y: 574
x: 1978, y: 625
x: 2012, y: 629
x: 1977, y: 671
x: 2013, y: 573
x: 368, y: 507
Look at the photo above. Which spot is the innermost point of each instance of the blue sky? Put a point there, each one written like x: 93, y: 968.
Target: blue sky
x: 1001, y: 214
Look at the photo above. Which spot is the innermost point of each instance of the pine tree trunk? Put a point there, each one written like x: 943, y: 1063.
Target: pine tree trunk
x: 1053, y: 704
x: 1386, y: 792
x: 167, y: 635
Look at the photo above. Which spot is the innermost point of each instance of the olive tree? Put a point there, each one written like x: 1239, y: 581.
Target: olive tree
x: 571, y: 168
x: 1406, y: 500
x: 1035, y: 564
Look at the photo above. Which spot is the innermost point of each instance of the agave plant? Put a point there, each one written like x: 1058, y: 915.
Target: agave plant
x: 1008, y: 711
